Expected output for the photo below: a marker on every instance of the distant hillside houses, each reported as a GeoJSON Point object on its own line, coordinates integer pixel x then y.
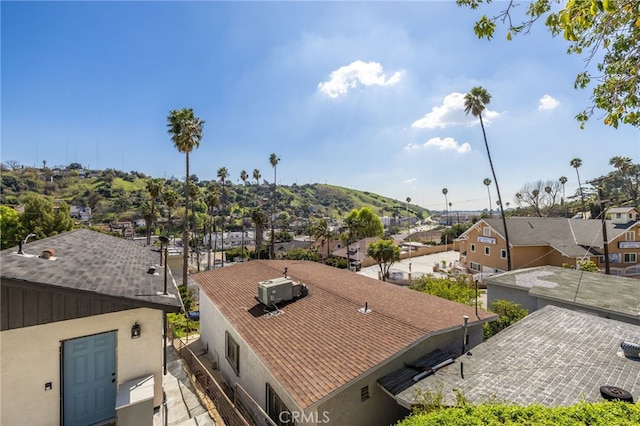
{"type": "Point", "coordinates": [80, 213]}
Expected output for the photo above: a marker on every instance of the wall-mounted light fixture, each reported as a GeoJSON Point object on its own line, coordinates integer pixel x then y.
{"type": "Point", "coordinates": [135, 331]}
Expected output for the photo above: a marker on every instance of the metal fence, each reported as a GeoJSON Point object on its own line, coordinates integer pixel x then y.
{"type": "Point", "coordinates": [242, 411]}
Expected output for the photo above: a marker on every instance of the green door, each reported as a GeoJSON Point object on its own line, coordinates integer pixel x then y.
{"type": "Point", "coordinates": [89, 377]}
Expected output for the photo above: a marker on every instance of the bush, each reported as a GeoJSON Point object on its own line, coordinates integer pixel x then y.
{"type": "Point", "coordinates": [459, 289]}
{"type": "Point", "coordinates": [509, 313]}
{"type": "Point", "coordinates": [493, 414]}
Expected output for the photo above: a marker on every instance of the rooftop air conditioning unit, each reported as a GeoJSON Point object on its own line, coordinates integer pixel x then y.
{"type": "Point", "coordinates": [275, 291]}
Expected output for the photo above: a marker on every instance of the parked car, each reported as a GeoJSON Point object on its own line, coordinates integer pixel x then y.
{"type": "Point", "coordinates": [193, 315]}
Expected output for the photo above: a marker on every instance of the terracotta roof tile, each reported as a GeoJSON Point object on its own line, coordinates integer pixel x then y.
{"type": "Point", "coordinates": [322, 342]}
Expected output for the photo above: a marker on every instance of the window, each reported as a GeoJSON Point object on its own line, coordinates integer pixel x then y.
{"type": "Point", "coordinates": [487, 250]}
{"type": "Point", "coordinates": [486, 231]}
{"type": "Point", "coordinates": [630, 258]}
{"type": "Point", "coordinates": [503, 254]}
{"type": "Point", "coordinates": [232, 352]}
{"type": "Point", "coordinates": [618, 215]}
{"type": "Point", "coordinates": [630, 215]}
{"type": "Point", "coordinates": [276, 409]}
{"type": "Point", "coordinates": [630, 236]}
{"type": "Point", "coordinates": [364, 393]}
{"type": "Point", "coordinates": [473, 248]}
{"type": "Point", "coordinates": [474, 266]}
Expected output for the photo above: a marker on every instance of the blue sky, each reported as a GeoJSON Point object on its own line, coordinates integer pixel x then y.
{"type": "Point", "coordinates": [365, 95]}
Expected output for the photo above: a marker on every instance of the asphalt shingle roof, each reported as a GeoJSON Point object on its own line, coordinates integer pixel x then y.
{"type": "Point", "coordinates": [572, 237]}
{"type": "Point", "coordinates": [321, 341]}
{"type": "Point", "coordinates": [93, 262]}
{"type": "Point", "coordinates": [553, 357]}
{"type": "Point", "coordinates": [590, 289]}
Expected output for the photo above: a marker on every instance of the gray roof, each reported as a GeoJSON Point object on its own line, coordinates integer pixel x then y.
{"type": "Point", "coordinates": [590, 289]}
{"type": "Point", "coordinates": [92, 262]}
{"type": "Point", "coordinates": [552, 357]}
{"type": "Point", "coordinates": [572, 237]}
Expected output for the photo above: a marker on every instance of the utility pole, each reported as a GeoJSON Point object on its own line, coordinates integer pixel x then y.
{"type": "Point", "coordinates": [605, 239]}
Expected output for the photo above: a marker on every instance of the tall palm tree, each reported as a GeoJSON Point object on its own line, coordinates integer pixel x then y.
{"type": "Point", "coordinates": [563, 180]}
{"type": "Point", "coordinates": [445, 191]}
{"type": "Point", "coordinates": [154, 187]}
{"type": "Point", "coordinates": [222, 175]}
{"type": "Point", "coordinates": [244, 176]}
{"type": "Point", "coordinates": [475, 102]}
{"type": "Point", "coordinates": [576, 163]}
{"type": "Point", "coordinates": [273, 160]}
{"type": "Point", "coordinates": [259, 219]}
{"type": "Point", "coordinates": [185, 129]}
{"type": "Point", "coordinates": [256, 175]}
{"type": "Point", "coordinates": [212, 200]}
{"type": "Point", "coordinates": [487, 182]}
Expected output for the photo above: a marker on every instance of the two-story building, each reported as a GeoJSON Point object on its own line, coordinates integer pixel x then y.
{"type": "Point", "coordinates": [536, 241]}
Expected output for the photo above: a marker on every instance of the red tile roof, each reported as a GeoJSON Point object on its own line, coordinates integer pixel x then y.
{"type": "Point", "coordinates": [322, 341]}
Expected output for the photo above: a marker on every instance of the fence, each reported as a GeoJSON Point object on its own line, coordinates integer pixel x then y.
{"type": "Point", "coordinates": [242, 411]}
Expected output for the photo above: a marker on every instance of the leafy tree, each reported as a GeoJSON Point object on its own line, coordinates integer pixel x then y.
{"type": "Point", "coordinates": [302, 254]}
{"type": "Point", "coordinates": [185, 129]}
{"type": "Point", "coordinates": [475, 102]}
{"type": "Point", "coordinates": [10, 227]}
{"type": "Point", "coordinates": [603, 29]}
{"type": "Point", "coordinates": [322, 230]}
{"type": "Point", "coordinates": [450, 234]}
{"type": "Point", "coordinates": [385, 253]}
{"type": "Point", "coordinates": [459, 289]}
{"type": "Point", "coordinates": [508, 313]}
{"type": "Point", "coordinates": [41, 218]}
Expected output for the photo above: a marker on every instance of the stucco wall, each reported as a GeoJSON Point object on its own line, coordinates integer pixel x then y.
{"type": "Point", "coordinates": [344, 406]}
{"type": "Point", "coordinates": [516, 295]}
{"type": "Point", "coordinates": [30, 357]}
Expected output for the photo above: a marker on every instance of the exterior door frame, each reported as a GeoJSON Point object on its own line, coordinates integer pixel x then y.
{"type": "Point", "coordinates": [62, 367]}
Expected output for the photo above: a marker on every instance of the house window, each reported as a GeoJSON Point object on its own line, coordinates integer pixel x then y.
{"type": "Point", "coordinates": [630, 258]}
{"type": "Point", "coordinates": [487, 250]}
{"type": "Point", "coordinates": [486, 231]}
{"type": "Point", "coordinates": [474, 266]}
{"type": "Point", "coordinates": [232, 352]}
{"type": "Point", "coordinates": [618, 215]}
{"type": "Point", "coordinates": [473, 248]}
{"type": "Point", "coordinates": [503, 254]}
{"type": "Point", "coordinates": [364, 393]}
{"type": "Point", "coordinates": [276, 409]}
{"type": "Point", "coordinates": [630, 236]}
{"type": "Point", "coordinates": [630, 215]}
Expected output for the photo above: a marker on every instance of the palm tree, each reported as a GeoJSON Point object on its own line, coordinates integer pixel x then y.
{"type": "Point", "coordinates": [563, 180]}
{"type": "Point", "coordinates": [259, 219]}
{"type": "Point", "coordinates": [475, 102]}
{"type": "Point", "coordinates": [323, 230]}
{"type": "Point", "coordinates": [244, 176]}
{"type": "Point", "coordinates": [186, 133]}
{"type": "Point", "coordinates": [170, 198]}
{"type": "Point", "coordinates": [575, 163]}
{"type": "Point", "coordinates": [154, 187]}
{"type": "Point", "coordinates": [256, 175]}
{"type": "Point", "coordinates": [212, 200]}
{"type": "Point", "coordinates": [445, 191]}
{"type": "Point", "coordinates": [487, 182]}
{"type": "Point", "coordinates": [222, 175]}
{"type": "Point", "coordinates": [273, 160]}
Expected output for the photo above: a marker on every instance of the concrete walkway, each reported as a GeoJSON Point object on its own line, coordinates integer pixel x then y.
{"type": "Point", "coordinates": [183, 407]}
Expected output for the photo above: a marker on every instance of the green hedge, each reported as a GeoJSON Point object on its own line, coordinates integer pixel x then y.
{"type": "Point", "coordinates": [583, 414]}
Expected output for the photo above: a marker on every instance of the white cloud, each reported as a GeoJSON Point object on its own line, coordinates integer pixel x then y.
{"type": "Point", "coordinates": [358, 72]}
{"type": "Point", "coordinates": [441, 144]}
{"type": "Point", "coordinates": [410, 180]}
{"type": "Point", "coordinates": [451, 113]}
{"type": "Point", "coordinates": [547, 103]}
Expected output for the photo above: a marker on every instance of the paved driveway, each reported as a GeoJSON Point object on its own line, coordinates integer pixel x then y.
{"type": "Point", "coordinates": [420, 265]}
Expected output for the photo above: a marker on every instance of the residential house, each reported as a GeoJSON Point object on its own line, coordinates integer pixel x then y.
{"type": "Point", "coordinates": [316, 358]}
{"type": "Point", "coordinates": [553, 357]}
{"type": "Point", "coordinates": [281, 249]}
{"type": "Point", "coordinates": [81, 213]}
{"type": "Point", "coordinates": [81, 322]}
{"type": "Point", "coordinates": [623, 215]}
{"type": "Point", "coordinates": [604, 295]}
{"type": "Point", "coordinates": [537, 241]}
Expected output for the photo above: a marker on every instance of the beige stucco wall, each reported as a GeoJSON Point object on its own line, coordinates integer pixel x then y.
{"type": "Point", "coordinates": [30, 357]}
{"type": "Point", "coordinates": [340, 408]}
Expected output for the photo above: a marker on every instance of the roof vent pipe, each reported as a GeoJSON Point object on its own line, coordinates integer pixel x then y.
{"type": "Point", "coordinates": [20, 248]}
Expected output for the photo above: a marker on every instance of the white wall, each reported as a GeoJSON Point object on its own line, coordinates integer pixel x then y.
{"type": "Point", "coordinates": [30, 357]}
